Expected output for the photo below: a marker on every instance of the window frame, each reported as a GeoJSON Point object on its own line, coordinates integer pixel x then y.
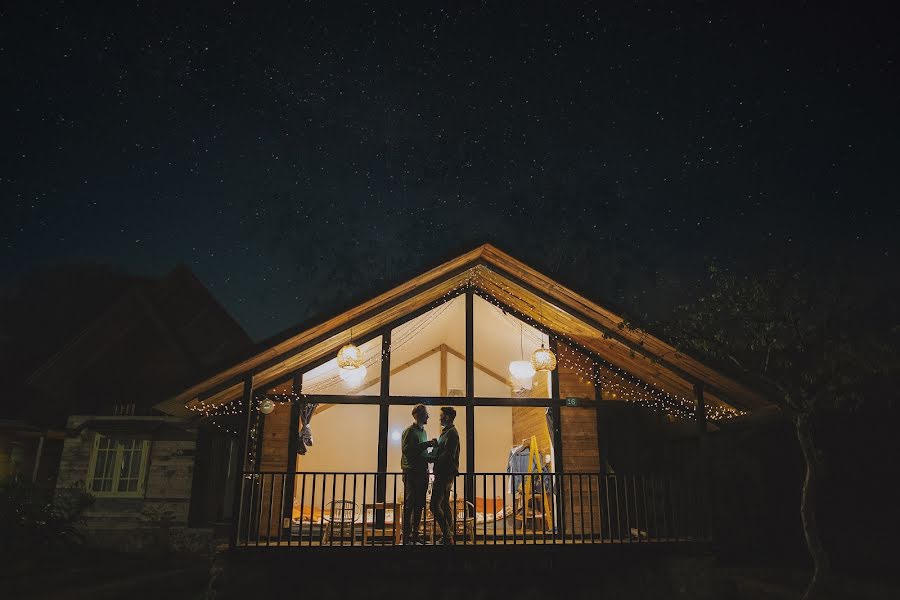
{"type": "Point", "coordinates": [117, 468]}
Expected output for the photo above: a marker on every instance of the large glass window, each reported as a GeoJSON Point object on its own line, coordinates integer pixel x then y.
{"type": "Point", "coordinates": [345, 440]}
{"type": "Point", "coordinates": [428, 353]}
{"type": "Point", "coordinates": [118, 466]}
{"type": "Point", "coordinates": [503, 347]}
{"type": "Point", "coordinates": [329, 379]}
{"type": "Point", "coordinates": [400, 417]}
{"type": "Point", "coordinates": [503, 443]}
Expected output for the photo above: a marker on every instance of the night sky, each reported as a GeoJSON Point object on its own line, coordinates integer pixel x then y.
{"type": "Point", "coordinates": [297, 157]}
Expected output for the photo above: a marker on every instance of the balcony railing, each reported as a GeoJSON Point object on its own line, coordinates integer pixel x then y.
{"type": "Point", "coordinates": [287, 509]}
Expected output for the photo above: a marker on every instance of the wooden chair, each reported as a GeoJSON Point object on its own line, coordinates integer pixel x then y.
{"type": "Point", "coordinates": [465, 522]}
{"type": "Point", "coordinates": [343, 519]}
{"type": "Point", "coordinates": [391, 521]}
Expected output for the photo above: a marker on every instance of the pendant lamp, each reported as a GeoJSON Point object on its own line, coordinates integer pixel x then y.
{"type": "Point", "coordinates": [350, 357]}
{"type": "Point", "coordinates": [522, 371]}
{"type": "Point", "coordinates": [354, 377]}
{"type": "Point", "coordinates": [543, 359]}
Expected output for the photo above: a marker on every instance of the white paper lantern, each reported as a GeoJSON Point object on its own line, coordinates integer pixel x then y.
{"type": "Point", "coordinates": [354, 377]}
{"type": "Point", "coordinates": [521, 369]}
{"type": "Point", "coordinates": [266, 406]}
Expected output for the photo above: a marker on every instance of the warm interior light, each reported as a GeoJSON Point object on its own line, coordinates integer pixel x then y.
{"type": "Point", "coordinates": [543, 359]}
{"type": "Point", "coordinates": [266, 406]}
{"type": "Point", "coordinates": [354, 377]}
{"type": "Point", "coordinates": [349, 357]}
{"type": "Point", "coordinates": [521, 369]}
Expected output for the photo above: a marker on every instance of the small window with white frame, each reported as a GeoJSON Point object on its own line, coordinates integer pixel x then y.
{"type": "Point", "coordinates": [118, 466]}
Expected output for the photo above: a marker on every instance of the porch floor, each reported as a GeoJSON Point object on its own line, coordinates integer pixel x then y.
{"type": "Point", "coordinates": [499, 540]}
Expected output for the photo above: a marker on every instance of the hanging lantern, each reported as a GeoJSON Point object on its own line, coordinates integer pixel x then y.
{"type": "Point", "coordinates": [350, 357]}
{"type": "Point", "coordinates": [266, 406]}
{"type": "Point", "coordinates": [354, 377]}
{"type": "Point", "coordinates": [521, 369]}
{"type": "Point", "coordinates": [522, 375]}
{"type": "Point", "coordinates": [543, 359]}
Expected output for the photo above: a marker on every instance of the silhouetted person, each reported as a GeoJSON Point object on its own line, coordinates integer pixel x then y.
{"type": "Point", "coordinates": [446, 468]}
{"type": "Point", "coordinates": [414, 464]}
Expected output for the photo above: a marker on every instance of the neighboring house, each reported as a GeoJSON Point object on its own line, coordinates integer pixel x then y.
{"type": "Point", "coordinates": [29, 451]}
{"type": "Point", "coordinates": [101, 388]}
{"type": "Point", "coordinates": [615, 425]}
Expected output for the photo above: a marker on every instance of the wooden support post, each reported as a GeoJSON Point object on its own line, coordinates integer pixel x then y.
{"type": "Point", "coordinates": [700, 409]}
{"type": "Point", "coordinates": [703, 517]}
{"type": "Point", "coordinates": [559, 519]}
{"type": "Point", "coordinates": [470, 397]}
{"type": "Point", "coordinates": [556, 434]}
{"type": "Point", "coordinates": [241, 463]}
{"type": "Point", "coordinates": [293, 444]}
{"type": "Point", "coordinates": [383, 408]}
{"type": "Point", "coordinates": [602, 437]}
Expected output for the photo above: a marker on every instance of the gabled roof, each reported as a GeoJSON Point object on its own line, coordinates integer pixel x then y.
{"type": "Point", "coordinates": [174, 317]}
{"type": "Point", "coordinates": [516, 285]}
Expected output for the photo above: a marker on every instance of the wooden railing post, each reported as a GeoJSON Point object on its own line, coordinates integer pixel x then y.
{"type": "Point", "coordinates": [241, 463]}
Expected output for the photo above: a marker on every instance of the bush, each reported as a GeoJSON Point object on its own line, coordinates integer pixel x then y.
{"type": "Point", "coordinates": [32, 518]}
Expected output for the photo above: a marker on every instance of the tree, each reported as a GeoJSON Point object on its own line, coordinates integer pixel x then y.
{"type": "Point", "coordinates": [811, 340]}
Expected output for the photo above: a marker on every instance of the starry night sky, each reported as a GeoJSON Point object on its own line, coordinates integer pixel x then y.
{"type": "Point", "coordinates": [297, 156]}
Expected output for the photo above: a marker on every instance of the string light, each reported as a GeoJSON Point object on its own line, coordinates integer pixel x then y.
{"type": "Point", "coordinates": [615, 383]}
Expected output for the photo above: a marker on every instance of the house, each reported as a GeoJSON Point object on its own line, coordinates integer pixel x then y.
{"type": "Point", "coordinates": [297, 446]}
{"type": "Point", "coordinates": [99, 391]}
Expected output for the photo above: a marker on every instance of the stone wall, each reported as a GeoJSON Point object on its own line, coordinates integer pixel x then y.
{"type": "Point", "coordinates": [159, 517]}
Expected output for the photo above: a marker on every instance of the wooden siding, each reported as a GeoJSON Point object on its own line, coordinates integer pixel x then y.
{"type": "Point", "coordinates": [274, 457]}
{"type": "Point", "coordinates": [114, 520]}
{"type": "Point", "coordinates": [579, 438]}
{"type": "Point", "coordinates": [528, 421]}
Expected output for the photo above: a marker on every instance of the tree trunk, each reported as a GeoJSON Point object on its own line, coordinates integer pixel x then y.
{"type": "Point", "coordinates": [821, 568]}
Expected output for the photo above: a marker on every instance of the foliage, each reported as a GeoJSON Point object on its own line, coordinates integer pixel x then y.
{"type": "Point", "coordinates": [32, 518]}
{"type": "Point", "coordinates": [808, 339]}
{"type": "Point", "coordinates": [811, 341]}
{"type": "Point", "coordinates": [159, 521]}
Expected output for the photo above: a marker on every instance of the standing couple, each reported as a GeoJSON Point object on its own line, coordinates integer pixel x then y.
{"type": "Point", "coordinates": [414, 462]}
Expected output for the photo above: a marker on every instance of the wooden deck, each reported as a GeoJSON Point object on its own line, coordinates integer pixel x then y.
{"type": "Point", "coordinates": [478, 542]}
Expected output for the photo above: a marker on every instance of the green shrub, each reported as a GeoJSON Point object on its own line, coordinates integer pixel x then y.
{"type": "Point", "coordinates": [33, 518]}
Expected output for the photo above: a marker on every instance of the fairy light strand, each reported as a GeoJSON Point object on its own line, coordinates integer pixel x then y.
{"type": "Point", "coordinates": [615, 383]}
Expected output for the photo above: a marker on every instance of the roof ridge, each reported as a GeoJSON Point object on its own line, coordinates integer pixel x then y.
{"type": "Point", "coordinates": [517, 273]}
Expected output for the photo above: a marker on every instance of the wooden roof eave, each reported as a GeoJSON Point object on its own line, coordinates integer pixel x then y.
{"type": "Point", "coordinates": [607, 323]}
{"type": "Point", "coordinates": [221, 387]}
{"type": "Point", "coordinates": [681, 371]}
{"type": "Point", "coordinates": [610, 352]}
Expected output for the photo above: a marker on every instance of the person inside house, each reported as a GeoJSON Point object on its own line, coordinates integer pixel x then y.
{"type": "Point", "coordinates": [414, 464]}
{"type": "Point", "coordinates": [446, 468]}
